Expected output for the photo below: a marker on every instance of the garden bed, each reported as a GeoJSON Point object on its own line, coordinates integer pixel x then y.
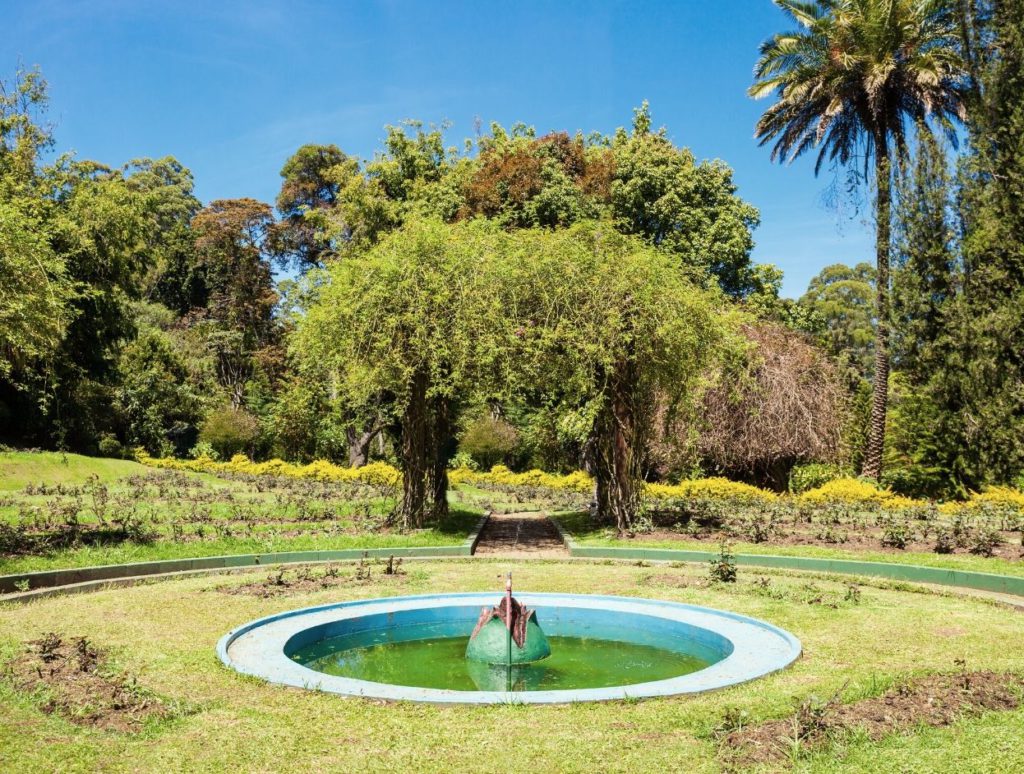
{"type": "Point", "coordinates": [94, 513]}
{"type": "Point", "coordinates": [1006, 559]}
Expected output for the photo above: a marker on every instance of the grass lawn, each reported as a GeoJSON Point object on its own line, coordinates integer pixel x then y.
{"type": "Point", "coordinates": [452, 533]}
{"type": "Point", "coordinates": [70, 511]}
{"type": "Point", "coordinates": [165, 634]}
{"type": "Point", "coordinates": [585, 533]}
{"type": "Point", "coordinates": [19, 468]}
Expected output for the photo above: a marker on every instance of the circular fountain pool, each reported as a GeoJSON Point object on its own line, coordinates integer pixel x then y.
{"type": "Point", "coordinates": [602, 648]}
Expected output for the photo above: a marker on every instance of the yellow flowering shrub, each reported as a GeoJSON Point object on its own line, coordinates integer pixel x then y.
{"type": "Point", "coordinates": [711, 489]}
{"type": "Point", "coordinates": [855, 490]}
{"type": "Point", "coordinates": [1000, 495]}
{"type": "Point", "coordinates": [996, 496]}
{"type": "Point", "coordinates": [500, 475]}
{"type": "Point", "coordinates": [847, 490]}
{"type": "Point", "coordinates": [380, 474]}
{"type": "Point", "coordinates": [376, 473]}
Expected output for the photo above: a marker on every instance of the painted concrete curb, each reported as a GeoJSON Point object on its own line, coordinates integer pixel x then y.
{"type": "Point", "coordinates": [941, 576]}
{"type": "Point", "coordinates": [86, 578]}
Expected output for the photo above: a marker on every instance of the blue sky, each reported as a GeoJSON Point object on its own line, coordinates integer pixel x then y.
{"type": "Point", "coordinates": [232, 89]}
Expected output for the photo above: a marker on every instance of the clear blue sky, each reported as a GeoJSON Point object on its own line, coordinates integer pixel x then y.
{"type": "Point", "coordinates": [232, 89]}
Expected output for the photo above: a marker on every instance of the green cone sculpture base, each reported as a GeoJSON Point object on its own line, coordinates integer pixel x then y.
{"type": "Point", "coordinates": [491, 644]}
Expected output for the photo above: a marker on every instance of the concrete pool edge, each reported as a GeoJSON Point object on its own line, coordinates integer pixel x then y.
{"type": "Point", "coordinates": [758, 648]}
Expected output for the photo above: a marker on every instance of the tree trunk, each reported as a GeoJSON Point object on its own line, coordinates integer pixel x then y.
{"type": "Point", "coordinates": [618, 454]}
{"type": "Point", "coordinates": [359, 442]}
{"type": "Point", "coordinates": [872, 467]}
{"type": "Point", "coordinates": [441, 441]}
{"type": "Point", "coordinates": [415, 454]}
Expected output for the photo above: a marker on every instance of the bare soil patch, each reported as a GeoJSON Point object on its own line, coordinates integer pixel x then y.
{"type": "Point", "coordinates": [936, 700]}
{"type": "Point", "coordinates": [301, 580]}
{"type": "Point", "coordinates": [76, 680]}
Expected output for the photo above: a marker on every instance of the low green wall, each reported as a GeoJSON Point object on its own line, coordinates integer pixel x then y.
{"type": "Point", "coordinates": [1001, 584]}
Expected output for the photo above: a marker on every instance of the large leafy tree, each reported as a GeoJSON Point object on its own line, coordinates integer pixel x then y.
{"type": "Point", "coordinates": [155, 398]}
{"type": "Point", "coordinates": [660, 193]}
{"type": "Point", "coordinates": [610, 329]}
{"type": "Point", "coordinates": [35, 289]}
{"type": "Point", "coordinates": [848, 82]}
{"type": "Point", "coordinates": [172, 275]}
{"type": "Point", "coordinates": [309, 190]}
{"type": "Point", "coordinates": [74, 251]}
{"type": "Point", "coordinates": [840, 302]}
{"type": "Point", "coordinates": [586, 321]}
{"type": "Point", "coordinates": [413, 325]}
{"type": "Point", "coordinates": [522, 181]}
{"type": "Point", "coordinates": [984, 382]}
{"type": "Point", "coordinates": [412, 175]}
{"type": "Point", "coordinates": [235, 251]}
{"type": "Point", "coordinates": [99, 226]}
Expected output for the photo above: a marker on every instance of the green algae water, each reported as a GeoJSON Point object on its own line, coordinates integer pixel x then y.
{"type": "Point", "coordinates": [440, 662]}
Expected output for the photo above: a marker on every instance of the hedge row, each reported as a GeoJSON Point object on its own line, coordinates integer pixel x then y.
{"type": "Point", "coordinates": [850, 491]}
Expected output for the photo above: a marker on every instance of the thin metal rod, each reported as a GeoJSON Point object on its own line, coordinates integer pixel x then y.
{"type": "Point", "coordinates": [508, 627]}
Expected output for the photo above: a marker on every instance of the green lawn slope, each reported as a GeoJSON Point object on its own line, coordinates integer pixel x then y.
{"type": "Point", "coordinates": [18, 468]}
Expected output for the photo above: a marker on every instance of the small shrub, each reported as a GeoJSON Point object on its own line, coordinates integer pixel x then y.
{"type": "Point", "coordinates": [489, 440]}
{"type": "Point", "coordinates": [109, 446]}
{"type": "Point", "coordinates": [230, 431]}
{"type": "Point", "coordinates": [985, 541]}
{"type": "Point", "coordinates": [463, 461]}
{"type": "Point", "coordinates": [945, 543]}
{"type": "Point", "coordinates": [895, 534]}
{"type": "Point", "coordinates": [204, 450]}
{"type": "Point", "coordinates": [813, 475]}
{"type": "Point", "coordinates": [723, 566]}
{"type": "Point", "coordinates": [733, 719]}
{"type": "Point", "coordinates": [831, 535]}
{"type": "Point", "coordinates": [759, 529]}
{"type": "Point", "coordinates": [706, 513]}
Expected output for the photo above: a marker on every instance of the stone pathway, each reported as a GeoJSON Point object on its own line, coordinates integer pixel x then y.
{"type": "Point", "coordinates": [525, 534]}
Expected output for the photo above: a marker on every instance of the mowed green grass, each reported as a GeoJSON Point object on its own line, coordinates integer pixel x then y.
{"type": "Point", "coordinates": [166, 633]}
{"type": "Point", "coordinates": [19, 468]}
{"type": "Point", "coordinates": [586, 534]}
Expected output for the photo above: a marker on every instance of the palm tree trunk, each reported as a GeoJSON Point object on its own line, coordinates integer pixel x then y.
{"type": "Point", "coordinates": [872, 466]}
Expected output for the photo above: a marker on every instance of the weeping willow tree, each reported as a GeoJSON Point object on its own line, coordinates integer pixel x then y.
{"type": "Point", "coordinates": [410, 328]}
{"type": "Point", "coordinates": [609, 326]}
{"type": "Point", "coordinates": [585, 321]}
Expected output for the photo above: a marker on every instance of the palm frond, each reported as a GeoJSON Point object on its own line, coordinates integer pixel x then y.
{"type": "Point", "coordinates": [854, 74]}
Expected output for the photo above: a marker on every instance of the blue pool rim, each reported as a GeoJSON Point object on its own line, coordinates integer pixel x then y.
{"type": "Point", "coordinates": [258, 648]}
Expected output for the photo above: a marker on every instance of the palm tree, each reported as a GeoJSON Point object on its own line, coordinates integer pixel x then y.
{"type": "Point", "coordinates": [849, 83]}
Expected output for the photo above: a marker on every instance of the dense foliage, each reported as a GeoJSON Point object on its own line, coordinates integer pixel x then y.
{"type": "Point", "coordinates": [557, 300]}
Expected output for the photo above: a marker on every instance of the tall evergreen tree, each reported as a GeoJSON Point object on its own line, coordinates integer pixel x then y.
{"type": "Point", "coordinates": [990, 335]}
